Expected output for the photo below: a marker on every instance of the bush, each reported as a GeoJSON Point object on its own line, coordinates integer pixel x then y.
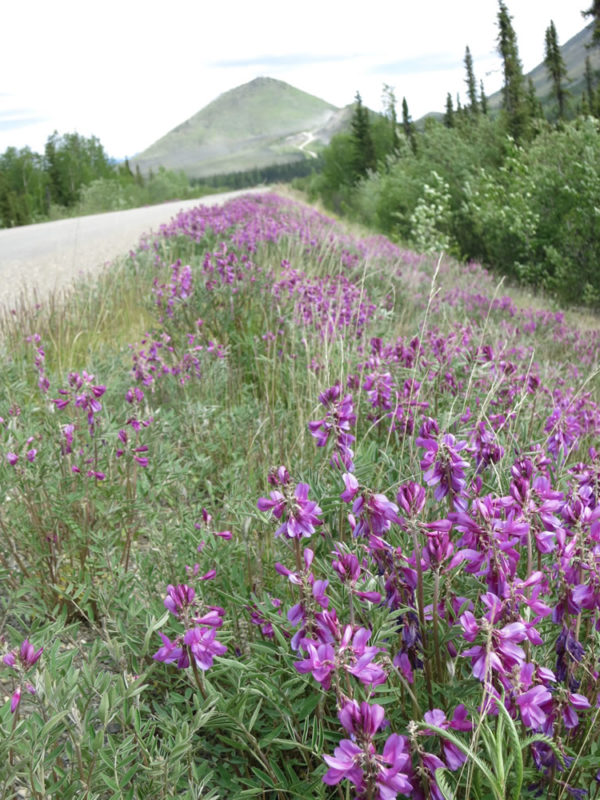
{"type": "Point", "coordinates": [537, 217]}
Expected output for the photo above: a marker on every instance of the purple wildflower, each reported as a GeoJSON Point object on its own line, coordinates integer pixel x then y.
{"type": "Point", "coordinates": [302, 513]}
{"type": "Point", "coordinates": [21, 661]}
{"type": "Point", "coordinates": [381, 776]}
{"type": "Point", "coordinates": [442, 465]}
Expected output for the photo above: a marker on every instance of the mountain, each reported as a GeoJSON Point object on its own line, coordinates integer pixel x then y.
{"type": "Point", "coordinates": [574, 53]}
{"type": "Point", "coordinates": [258, 124]}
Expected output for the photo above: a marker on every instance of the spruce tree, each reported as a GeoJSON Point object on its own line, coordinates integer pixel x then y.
{"type": "Point", "coordinates": [534, 106]}
{"type": "Point", "coordinates": [513, 91]}
{"type": "Point", "coordinates": [589, 85]}
{"type": "Point", "coordinates": [594, 12]}
{"type": "Point", "coordinates": [362, 141]}
{"type": "Point", "coordinates": [583, 108]}
{"type": "Point", "coordinates": [389, 109]}
{"type": "Point", "coordinates": [449, 114]}
{"type": "Point", "coordinates": [556, 68]}
{"type": "Point", "coordinates": [408, 126]}
{"type": "Point", "coordinates": [470, 81]}
{"type": "Point", "coordinates": [483, 101]}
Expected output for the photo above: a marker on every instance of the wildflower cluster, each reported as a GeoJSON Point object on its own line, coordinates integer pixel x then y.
{"type": "Point", "coordinates": [20, 663]}
{"type": "Point", "coordinates": [412, 608]}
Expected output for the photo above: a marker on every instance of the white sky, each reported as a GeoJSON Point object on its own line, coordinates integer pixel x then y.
{"type": "Point", "coordinates": [128, 71]}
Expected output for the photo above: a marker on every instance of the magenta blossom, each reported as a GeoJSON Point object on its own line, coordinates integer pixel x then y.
{"type": "Point", "coordinates": [198, 640]}
{"type": "Point", "coordinates": [203, 646]}
{"type": "Point", "coordinates": [442, 465]}
{"type": "Point", "coordinates": [302, 514]}
{"type": "Point", "coordinates": [380, 776]}
{"type": "Point", "coordinates": [21, 662]}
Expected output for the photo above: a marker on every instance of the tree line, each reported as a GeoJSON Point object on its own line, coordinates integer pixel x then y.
{"type": "Point", "coordinates": [30, 183]}
{"type": "Point", "coordinates": [74, 175]}
{"type": "Point", "coordinates": [518, 190]}
{"type": "Point", "coordinates": [275, 173]}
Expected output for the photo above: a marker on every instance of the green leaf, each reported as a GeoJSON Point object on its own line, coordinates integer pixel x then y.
{"type": "Point", "coordinates": [111, 783]}
{"type": "Point", "coordinates": [267, 782]}
{"type": "Point", "coordinates": [516, 749]}
{"type": "Point", "coordinates": [481, 765]}
{"type": "Point", "coordinates": [52, 723]}
{"type": "Point", "coordinates": [444, 786]}
{"type": "Point", "coordinates": [152, 628]}
{"type": "Point", "coordinates": [308, 706]}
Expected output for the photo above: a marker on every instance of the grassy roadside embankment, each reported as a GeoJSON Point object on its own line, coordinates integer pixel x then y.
{"type": "Point", "coordinates": [421, 443]}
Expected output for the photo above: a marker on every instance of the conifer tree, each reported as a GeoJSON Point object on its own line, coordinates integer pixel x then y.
{"type": "Point", "coordinates": [534, 106]}
{"type": "Point", "coordinates": [408, 126]}
{"type": "Point", "coordinates": [590, 91]}
{"type": "Point", "coordinates": [483, 101]}
{"type": "Point", "coordinates": [583, 109]}
{"type": "Point", "coordinates": [363, 147]}
{"type": "Point", "coordinates": [470, 81]}
{"type": "Point", "coordinates": [460, 111]}
{"type": "Point", "coordinates": [513, 91]}
{"type": "Point", "coordinates": [389, 109]}
{"type": "Point", "coordinates": [594, 12]}
{"type": "Point", "coordinates": [556, 68]}
{"type": "Point", "coordinates": [449, 114]}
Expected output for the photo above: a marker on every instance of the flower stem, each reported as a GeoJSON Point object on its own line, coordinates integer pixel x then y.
{"type": "Point", "coordinates": [421, 613]}
{"type": "Point", "coordinates": [197, 676]}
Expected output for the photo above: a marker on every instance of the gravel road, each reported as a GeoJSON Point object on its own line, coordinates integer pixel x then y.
{"type": "Point", "coordinates": [51, 255]}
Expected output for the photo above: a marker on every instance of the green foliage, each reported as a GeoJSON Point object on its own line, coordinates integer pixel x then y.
{"type": "Point", "coordinates": [389, 199]}
{"type": "Point", "coordinates": [471, 82]}
{"type": "Point", "coordinates": [513, 92]}
{"type": "Point", "coordinates": [537, 218]}
{"type": "Point", "coordinates": [556, 68]}
{"type": "Point", "coordinates": [363, 149]}
{"type": "Point", "coordinates": [482, 98]}
{"type": "Point", "coordinates": [75, 176]}
{"type": "Point", "coordinates": [502, 222]}
{"type": "Point", "coordinates": [334, 182]}
{"type": "Point", "coordinates": [408, 126]}
{"type": "Point", "coordinates": [389, 112]}
{"type": "Point", "coordinates": [529, 209]}
{"type": "Point", "coordinates": [300, 170]}
{"type": "Point", "coordinates": [430, 221]}
{"type": "Point", "coordinates": [24, 187]}
{"type": "Point", "coordinates": [449, 113]}
{"type": "Point", "coordinates": [71, 162]}
{"type": "Point", "coordinates": [594, 12]}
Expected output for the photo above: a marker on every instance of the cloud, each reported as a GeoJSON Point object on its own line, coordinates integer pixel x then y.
{"type": "Point", "coordinates": [432, 62]}
{"type": "Point", "coordinates": [286, 60]}
{"type": "Point", "coordinates": [18, 118]}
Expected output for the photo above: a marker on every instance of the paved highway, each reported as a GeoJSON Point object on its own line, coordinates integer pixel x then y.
{"type": "Point", "coordinates": [51, 255]}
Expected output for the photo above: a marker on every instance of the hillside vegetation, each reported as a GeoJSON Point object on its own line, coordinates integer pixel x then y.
{"type": "Point", "coordinates": [294, 513]}
{"type": "Point", "coordinates": [518, 190]}
{"type": "Point", "coordinates": [252, 126]}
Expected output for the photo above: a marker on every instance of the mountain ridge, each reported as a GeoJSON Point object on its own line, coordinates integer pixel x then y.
{"type": "Point", "coordinates": [253, 125]}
